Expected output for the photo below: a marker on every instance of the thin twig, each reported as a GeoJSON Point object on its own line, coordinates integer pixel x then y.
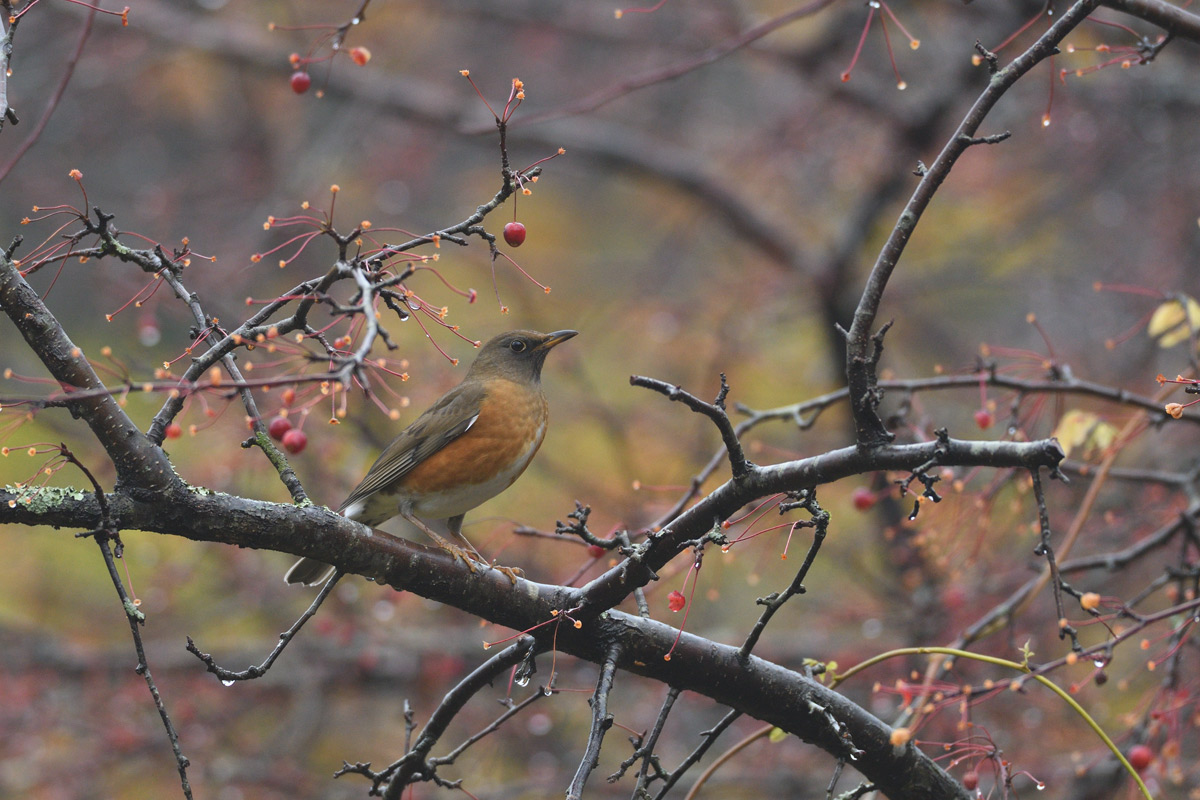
{"type": "Point", "coordinates": [710, 737]}
{"type": "Point", "coordinates": [715, 411]}
{"type": "Point", "coordinates": [413, 765]}
{"type": "Point", "coordinates": [103, 534]}
{"type": "Point", "coordinates": [228, 677]}
{"type": "Point", "coordinates": [646, 751]}
{"type": "Point", "coordinates": [775, 601]}
{"type": "Point", "coordinates": [652, 77]}
{"type": "Point", "coordinates": [601, 722]}
{"type": "Point", "coordinates": [860, 362]}
{"type": "Point", "coordinates": [55, 98]}
{"type": "Point", "coordinates": [494, 725]}
{"type": "Point", "coordinates": [1046, 548]}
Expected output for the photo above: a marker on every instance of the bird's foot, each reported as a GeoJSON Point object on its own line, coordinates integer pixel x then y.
{"type": "Point", "coordinates": [460, 553]}
{"type": "Point", "coordinates": [512, 572]}
{"type": "Point", "coordinates": [467, 558]}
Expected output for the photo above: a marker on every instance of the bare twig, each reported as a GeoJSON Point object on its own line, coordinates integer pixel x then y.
{"type": "Point", "coordinates": [715, 411]}
{"type": "Point", "coordinates": [604, 96]}
{"type": "Point", "coordinates": [55, 98]}
{"type": "Point", "coordinates": [819, 522]}
{"type": "Point", "coordinates": [138, 461]}
{"type": "Point", "coordinates": [646, 750]}
{"type": "Point", "coordinates": [601, 722]}
{"type": "Point", "coordinates": [860, 371]}
{"type": "Point", "coordinates": [228, 677]}
{"type": "Point", "coordinates": [414, 765]}
{"type": "Point", "coordinates": [710, 736]}
{"type": "Point", "coordinates": [494, 725]}
{"type": "Point", "coordinates": [1046, 548]}
{"type": "Point", "coordinates": [105, 533]}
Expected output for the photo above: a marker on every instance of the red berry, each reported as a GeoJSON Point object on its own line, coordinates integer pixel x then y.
{"type": "Point", "coordinates": [862, 498]}
{"type": "Point", "coordinates": [514, 234]}
{"type": "Point", "coordinates": [278, 427]}
{"type": "Point", "coordinates": [294, 441]}
{"type": "Point", "coordinates": [971, 780]}
{"type": "Point", "coordinates": [174, 430]}
{"type": "Point", "coordinates": [954, 597]}
{"type": "Point", "coordinates": [984, 419]}
{"type": "Point", "coordinates": [1140, 756]}
{"type": "Point", "coordinates": [289, 396]}
{"type": "Point", "coordinates": [360, 55]}
{"type": "Point", "coordinates": [301, 81]}
{"type": "Point", "coordinates": [676, 601]}
{"type": "Point", "coordinates": [595, 550]}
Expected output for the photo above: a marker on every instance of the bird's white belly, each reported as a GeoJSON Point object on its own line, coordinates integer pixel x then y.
{"type": "Point", "coordinates": [452, 502]}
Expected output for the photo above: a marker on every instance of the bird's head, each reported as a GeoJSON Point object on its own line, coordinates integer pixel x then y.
{"type": "Point", "coordinates": [517, 355]}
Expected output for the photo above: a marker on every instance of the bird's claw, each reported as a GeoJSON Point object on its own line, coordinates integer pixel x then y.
{"type": "Point", "coordinates": [512, 572]}
{"type": "Point", "coordinates": [458, 553]}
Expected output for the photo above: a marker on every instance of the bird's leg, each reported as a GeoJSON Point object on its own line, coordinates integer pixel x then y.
{"type": "Point", "coordinates": [442, 542]}
{"type": "Point", "coordinates": [455, 526]}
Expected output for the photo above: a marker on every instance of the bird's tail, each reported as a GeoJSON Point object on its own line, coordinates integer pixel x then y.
{"type": "Point", "coordinates": [308, 571]}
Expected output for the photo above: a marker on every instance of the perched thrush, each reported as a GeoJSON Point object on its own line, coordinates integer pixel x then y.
{"type": "Point", "coordinates": [464, 450]}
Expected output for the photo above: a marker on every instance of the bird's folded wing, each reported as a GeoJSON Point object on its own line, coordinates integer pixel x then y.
{"type": "Point", "coordinates": [442, 423]}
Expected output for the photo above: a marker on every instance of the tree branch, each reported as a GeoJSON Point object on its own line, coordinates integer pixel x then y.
{"type": "Point", "coordinates": [754, 686]}
{"type": "Point", "coordinates": [1171, 18]}
{"type": "Point", "coordinates": [715, 411]}
{"type": "Point", "coordinates": [413, 765]}
{"type": "Point", "coordinates": [601, 722]}
{"type": "Point", "coordinates": [55, 98]}
{"type": "Point", "coordinates": [139, 462]}
{"type": "Point", "coordinates": [860, 372]}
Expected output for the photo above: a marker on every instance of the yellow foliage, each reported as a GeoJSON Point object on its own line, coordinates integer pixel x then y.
{"type": "Point", "coordinates": [1083, 429]}
{"type": "Point", "coordinates": [1170, 325]}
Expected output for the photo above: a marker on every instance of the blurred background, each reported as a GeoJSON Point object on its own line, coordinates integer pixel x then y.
{"type": "Point", "coordinates": [719, 221]}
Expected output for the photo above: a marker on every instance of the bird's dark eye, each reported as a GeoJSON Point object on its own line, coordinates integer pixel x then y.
{"type": "Point", "coordinates": [517, 345]}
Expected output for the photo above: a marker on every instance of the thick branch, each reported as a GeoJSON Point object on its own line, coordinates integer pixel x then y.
{"type": "Point", "coordinates": [860, 373]}
{"type": "Point", "coordinates": [1174, 20]}
{"type": "Point", "coordinates": [613, 586]}
{"type": "Point", "coordinates": [138, 461]}
{"type": "Point", "coordinates": [755, 686]}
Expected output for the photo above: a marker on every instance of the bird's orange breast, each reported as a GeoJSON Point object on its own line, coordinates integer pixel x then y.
{"type": "Point", "coordinates": [491, 454]}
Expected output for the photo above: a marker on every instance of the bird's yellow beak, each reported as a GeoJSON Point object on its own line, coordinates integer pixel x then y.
{"type": "Point", "coordinates": [556, 338]}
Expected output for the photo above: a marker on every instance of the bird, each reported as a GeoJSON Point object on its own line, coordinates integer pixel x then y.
{"type": "Point", "coordinates": [465, 449]}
